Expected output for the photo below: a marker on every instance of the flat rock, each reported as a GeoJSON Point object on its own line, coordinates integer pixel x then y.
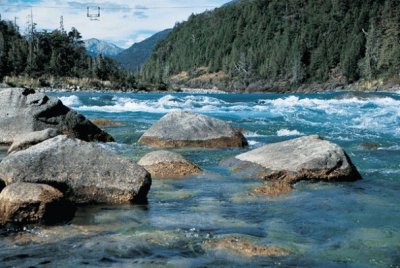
{"type": "Point", "coordinates": [285, 163]}
{"type": "Point", "coordinates": [26, 140]}
{"type": "Point", "coordinates": [166, 164]}
{"type": "Point", "coordinates": [23, 111]}
{"type": "Point", "coordinates": [185, 129]}
{"type": "Point", "coordinates": [29, 203]}
{"type": "Point", "coordinates": [85, 172]}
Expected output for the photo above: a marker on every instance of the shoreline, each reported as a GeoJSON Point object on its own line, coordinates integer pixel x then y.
{"type": "Point", "coordinates": [210, 91]}
{"type": "Point", "coordinates": [303, 89]}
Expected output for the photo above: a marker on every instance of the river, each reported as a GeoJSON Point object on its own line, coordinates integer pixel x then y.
{"type": "Point", "coordinates": [321, 224]}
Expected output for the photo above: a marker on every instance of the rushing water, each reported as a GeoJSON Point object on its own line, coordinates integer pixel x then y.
{"type": "Point", "coordinates": [321, 224]}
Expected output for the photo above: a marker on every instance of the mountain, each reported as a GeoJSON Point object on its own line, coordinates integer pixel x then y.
{"type": "Point", "coordinates": [262, 44]}
{"type": "Point", "coordinates": [135, 56]}
{"type": "Point", "coordinates": [96, 47]}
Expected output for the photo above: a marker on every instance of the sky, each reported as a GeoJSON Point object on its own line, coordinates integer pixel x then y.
{"type": "Point", "coordinates": [121, 22]}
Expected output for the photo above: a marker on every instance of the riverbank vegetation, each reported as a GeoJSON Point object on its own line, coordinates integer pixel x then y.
{"type": "Point", "coordinates": [55, 59]}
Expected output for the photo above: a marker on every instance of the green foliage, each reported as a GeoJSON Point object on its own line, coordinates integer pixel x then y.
{"type": "Point", "coordinates": [55, 54]}
{"type": "Point", "coordinates": [295, 41]}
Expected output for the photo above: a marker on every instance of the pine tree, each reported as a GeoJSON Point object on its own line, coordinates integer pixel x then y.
{"type": "Point", "coordinates": [389, 58]}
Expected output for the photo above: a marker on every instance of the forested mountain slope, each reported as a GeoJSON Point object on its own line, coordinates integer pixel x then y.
{"type": "Point", "coordinates": [269, 43]}
{"type": "Point", "coordinates": [135, 56]}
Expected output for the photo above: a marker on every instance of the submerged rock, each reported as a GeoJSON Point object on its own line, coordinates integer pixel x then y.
{"type": "Point", "coordinates": [26, 140]}
{"type": "Point", "coordinates": [103, 122]}
{"type": "Point", "coordinates": [29, 203]}
{"type": "Point", "coordinates": [165, 164]}
{"type": "Point", "coordinates": [185, 129]}
{"type": "Point", "coordinates": [84, 172]}
{"type": "Point", "coordinates": [245, 248]}
{"type": "Point", "coordinates": [23, 111]}
{"type": "Point", "coordinates": [285, 163]}
{"type": "Point", "coordinates": [370, 145]}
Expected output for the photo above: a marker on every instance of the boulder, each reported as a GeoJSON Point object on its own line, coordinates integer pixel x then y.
{"type": "Point", "coordinates": [29, 203]}
{"type": "Point", "coordinates": [23, 111]}
{"type": "Point", "coordinates": [26, 140]}
{"type": "Point", "coordinates": [165, 164]}
{"type": "Point", "coordinates": [85, 172]}
{"type": "Point", "coordinates": [285, 163]}
{"type": "Point", "coordinates": [184, 129]}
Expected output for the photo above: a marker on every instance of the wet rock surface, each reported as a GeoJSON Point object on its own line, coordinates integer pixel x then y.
{"type": "Point", "coordinates": [185, 129]}
{"type": "Point", "coordinates": [30, 203]}
{"type": "Point", "coordinates": [84, 172]}
{"type": "Point", "coordinates": [166, 164]}
{"type": "Point", "coordinates": [23, 111]}
{"type": "Point", "coordinates": [285, 163]}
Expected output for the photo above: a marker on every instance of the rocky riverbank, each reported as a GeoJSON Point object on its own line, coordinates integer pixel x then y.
{"type": "Point", "coordinates": [206, 86]}
{"type": "Point", "coordinates": [219, 82]}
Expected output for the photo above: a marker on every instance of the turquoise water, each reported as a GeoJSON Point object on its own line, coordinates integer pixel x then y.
{"type": "Point", "coordinates": [321, 224]}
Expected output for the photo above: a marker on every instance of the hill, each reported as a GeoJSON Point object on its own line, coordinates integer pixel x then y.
{"type": "Point", "coordinates": [95, 47]}
{"type": "Point", "coordinates": [135, 56]}
{"type": "Point", "coordinates": [264, 45]}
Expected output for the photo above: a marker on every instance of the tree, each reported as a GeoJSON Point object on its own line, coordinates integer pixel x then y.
{"type": "Point", "coordinates": [389, 58]}
{"type": "Point", "coordinates": [372, 48]}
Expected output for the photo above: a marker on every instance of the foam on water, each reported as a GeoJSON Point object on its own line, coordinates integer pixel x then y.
{"type": "Point", "coordinates": [71, 101]}
{"type": "Point", "coordinates": [376, 114]}
{"type": "Point", "coordinates": [251, 134]}
{"type": "Point", "coordinates": [161, 105]}
{"type": "Point", "coordinates": [286, 132]}
{"type": "Point", "coordinates": [252, 142]}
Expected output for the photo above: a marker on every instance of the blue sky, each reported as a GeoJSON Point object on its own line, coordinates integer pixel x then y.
{"type": "Point", "coordinates": [121, 22]}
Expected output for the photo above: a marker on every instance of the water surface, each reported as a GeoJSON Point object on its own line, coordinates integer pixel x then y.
{"type": "Point", "coordinates": [322, 225]}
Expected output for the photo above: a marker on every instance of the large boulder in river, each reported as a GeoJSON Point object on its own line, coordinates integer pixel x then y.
{"type": "Point", "coordinates": [85, 172]}
{"type": "Point", "coordinates": [26, 140]}
{"type": "Point", "coordinates": [166, 164]}
{"type": "Point", "coordinates": [184, 129]}
{"type": "Point", "coordinates": [285, 163]}
{"type": "Point", "coordinates": [23, 111]}
{"type": "Point", "coordinates": [28, 203]}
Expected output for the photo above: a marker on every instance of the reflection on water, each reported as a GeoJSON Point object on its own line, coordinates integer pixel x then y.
{"type": "Point", "coordinates": [320, 224]}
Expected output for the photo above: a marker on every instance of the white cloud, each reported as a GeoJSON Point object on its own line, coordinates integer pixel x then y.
{"type": "Point", "coordinates": [121, 22]}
